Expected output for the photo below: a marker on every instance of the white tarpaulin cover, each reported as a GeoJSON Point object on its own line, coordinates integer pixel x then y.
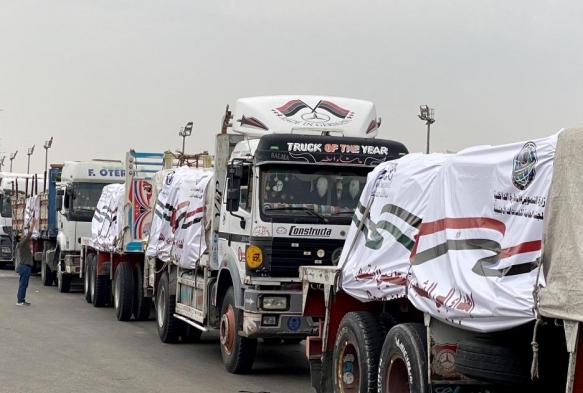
{"type": "Point", "coordinates": [459, 235]}
{"type": "Point", "coordinates": [563, 242]}
{"type": "Point", "coordinates": [177, 233]}
{"type": "Point", "coordinates": [106, 226]}
{"type": "Point", "coordinates": [32, 210]}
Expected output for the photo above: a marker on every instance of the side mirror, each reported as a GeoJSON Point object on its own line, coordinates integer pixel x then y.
{"type": "Point", "coordinates": [59, 202]}
{"type": "Point", "coordinates": [234, 175]}
{"type": "Point", "coordinates": [233, 195]}
{"type": "Point", "coordinates": [60, 191]}
{"type": "Point", "coordinates": [66, 202]}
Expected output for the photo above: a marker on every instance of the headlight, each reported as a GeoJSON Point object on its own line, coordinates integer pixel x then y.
{"type": "Point", "coordinates": [253, 256]}
{"type": "Point", "coordinates": [274, 303]}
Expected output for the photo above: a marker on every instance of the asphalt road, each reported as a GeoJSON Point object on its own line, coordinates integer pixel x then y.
{"type": "Point", "coordinates": [63, 344]}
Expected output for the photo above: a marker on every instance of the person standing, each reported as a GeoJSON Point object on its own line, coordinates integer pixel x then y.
{"type": "Point", "coordinates": [24, 262]}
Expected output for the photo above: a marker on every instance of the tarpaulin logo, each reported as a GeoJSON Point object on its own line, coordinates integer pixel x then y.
{"type": "Point", "coordinates": [524, 171]}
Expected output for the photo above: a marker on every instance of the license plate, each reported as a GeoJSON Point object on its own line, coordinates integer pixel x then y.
{"type": "Point", "coordinates": [5, 249]}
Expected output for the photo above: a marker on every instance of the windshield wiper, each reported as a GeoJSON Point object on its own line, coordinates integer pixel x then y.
{"type": "Point", "coordinates": [309, 211]}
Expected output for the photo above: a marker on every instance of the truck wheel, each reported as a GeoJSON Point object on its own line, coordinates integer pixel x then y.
{"type": "Point", "coordinates": [356, 353]}
{"type": "Point", "coordinates": [403, 362]}
{"type": "Point", "coordinates": [190, 334]}
{"type": "Point", "coordinates": [64, 280]}
{"type": "Point", "coordinates": [47, 277]}
{"type": "Point", "coordinates": [168, 326]}
{"type": "Point", "coordinates": [238, 352]}
{"type": "Point", "coordinates": [493, 361]}
{"type": "Point", "coordinates": [142, 304]}
{"type": "Point", "coordinates": [87, 278]}
{"type": "Point", "coordinates": [99, 287]}
{"type": "Point", "coordinates": [123, 291]}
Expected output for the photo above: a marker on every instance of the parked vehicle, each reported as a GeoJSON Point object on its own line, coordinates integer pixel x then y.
{"type": "Point", "coordinates": [64, 212]}
{"type": "Point", "coordinates": [226, 245]}
{"type": "Point", "coordinates": [112, 258]}
{"type": "Point", "coordinates": [460, 273]}
{"type": "Point", "coordinates": [7, 184]}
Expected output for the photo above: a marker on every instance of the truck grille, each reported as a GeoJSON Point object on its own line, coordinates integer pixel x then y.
{"type": "Point", "coordinates": [288, 254]}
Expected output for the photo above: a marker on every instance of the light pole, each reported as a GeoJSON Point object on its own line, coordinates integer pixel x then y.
{"type": "Point", "coordinates": [427, 116]}
{"type": "Point", "coordinates": [30, 151]}
{"type": "Point", "coordinates": [186, 131]}
{"type": "Point", "coordinates": [12, 157]}
{"type": "Point", "coordinates": [47, 146]}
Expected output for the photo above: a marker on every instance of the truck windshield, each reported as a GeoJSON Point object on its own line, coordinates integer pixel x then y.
{"type": "Point", "coordinates": [86, 197]}
{"type": "Point", "coordinates": [289, 192]}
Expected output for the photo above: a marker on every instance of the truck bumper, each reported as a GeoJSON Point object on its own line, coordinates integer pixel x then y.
{"type": "Point", "coordinates": [261, 322]}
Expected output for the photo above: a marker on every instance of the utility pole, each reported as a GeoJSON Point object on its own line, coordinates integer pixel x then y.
{"type": "Point", "coordinates": [427, 115]}
{"type": "Point", "coordinates": [12, 157]}
{"type": "Point", "coordinates": [30, 151]}
{"type": "Point", "coordinates": [185, 131]}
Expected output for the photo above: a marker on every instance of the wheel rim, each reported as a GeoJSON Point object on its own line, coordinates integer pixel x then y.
{"type": "Point", "coordinates": [228, 330]}
{"type": "Point", "coordinates": [347, 369]}
{"type": "Point", "coordinates": [116, 293]}
{"type": "Point", "coordinates": [59, 276]}
{"type": "Point", "coordinates": [87, 282]}
{"type": "Point", "coordinates": [92, 282]}
{"type": "Point", "coordinates": [397, 377]}
{"type": "Point", "coordinates": [161, 306]}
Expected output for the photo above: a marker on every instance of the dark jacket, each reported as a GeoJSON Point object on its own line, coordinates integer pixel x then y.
{"type": "Point", "coordinates": [23, 253]}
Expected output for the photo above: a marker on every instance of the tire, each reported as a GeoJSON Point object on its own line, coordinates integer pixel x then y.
{"type": "Point", "coordinates": [123, 290]}
{"type": "Point", "coordinates": [168, 326]}
{"type": "Point", "coordinates": [100, 287]}
{"type": "Point", "coordinates": [493, 361]}
{"type": "Point", "coordinates": [292, 341]}
{"type": "Point", "coordinates": [272, 341]}
{"type": "Point", "coordinates": [64, 280]}
{"type": "Point", "coordinates": [238, 352]}
{"type": "Point", "coordinates": [388, 321]}
{"type": "Point", "coordinates": [87, 277]}
{"type": "Point", "coordinates": [355, 360]}
{"type": "Point", "coordinates": [403, 362]}
{"type": "Point", "coordinates": [46, 273]}
{"type": "Point", "coordinates": [190, 334]}
{"type": "Point", "coordinates": [142, 304]}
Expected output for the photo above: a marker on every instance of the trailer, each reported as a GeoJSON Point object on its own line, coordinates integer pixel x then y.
{"type": "Point", "coordinates": [460, 273]}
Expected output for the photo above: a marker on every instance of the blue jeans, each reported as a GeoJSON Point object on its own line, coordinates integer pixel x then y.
{"type": "Point", "coordinates": [24, 271]}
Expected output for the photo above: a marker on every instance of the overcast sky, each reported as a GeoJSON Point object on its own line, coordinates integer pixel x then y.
{"type": "Point", "coordinates": [105, 76]}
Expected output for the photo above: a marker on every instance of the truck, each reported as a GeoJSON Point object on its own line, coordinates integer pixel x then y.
{"type": "Point", "coordinates": [112, 257]}
{"type": "Point", "coordinates": [64, 212]}
{"type": "Point", "coordinates": [460, 273]}
{"type": "Point", "coordinates": [226, 242]}
{"type": "Point", "coordinates": [7, 185]}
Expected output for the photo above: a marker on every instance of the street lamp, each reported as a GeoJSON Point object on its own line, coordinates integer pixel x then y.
{"type": "Point", "coordinates": [427, 116]}
{"type": "Point", "coordinates": [47, 146]}
{"type": "Point", "coordinates": [186, 131]}
{"type": "Point", "coordinates": [12, 157]}
{"type": "Point", "coordinates": [30, 151]}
